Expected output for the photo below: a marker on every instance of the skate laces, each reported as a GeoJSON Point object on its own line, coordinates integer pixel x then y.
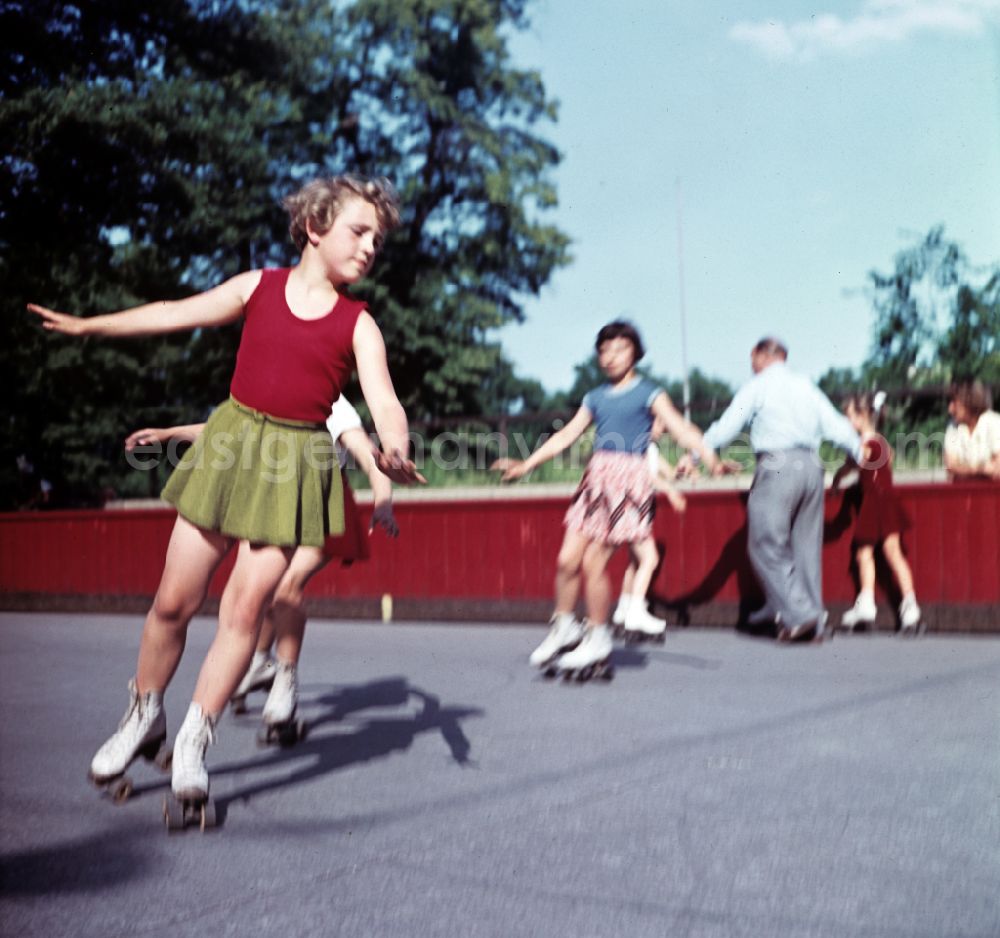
{"type": "Point", "coordinates": [202, 734]}
{"type": "Point", "coordinates": [134, 704]}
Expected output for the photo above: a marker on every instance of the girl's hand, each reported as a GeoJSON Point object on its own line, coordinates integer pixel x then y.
{"type": "Point", "coordinates": [512, 469]}
{"type": "Point", "coordinates": [677, 501]}
{"type": "Point", "coordinates": [146, 437]}
{"type": "Point", "coordinates": [383, 518]}
{"type": "Point", "coordinates": [727, 467]}
{"type": "Point", "coordinates": [397, 467]}
{"type": "Point", "coordinates": [685, 467]}
{"type": "Point", "coordinates": [59, 322]}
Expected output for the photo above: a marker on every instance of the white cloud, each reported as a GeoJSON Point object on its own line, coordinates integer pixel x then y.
{"type": "Point", "coordinates": [878, 21]}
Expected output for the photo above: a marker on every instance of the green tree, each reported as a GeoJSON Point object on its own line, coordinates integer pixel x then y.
{"type": "Point", "coordinates": [137, 168]}
{"type": "Point", "coordinates": [148, 145]}
{"type": "Point", "coordinates": [439, 108]}
{"type": "Point", "coordinates": [970, 348]}
{"type": "Point", "coordinates": [937, 318]}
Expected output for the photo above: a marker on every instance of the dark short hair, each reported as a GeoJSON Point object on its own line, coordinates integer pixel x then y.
{"type": "Point", "coordinates": [771, 346]}
{"type": "Point", "coordinates": [864, 403]}
{"type": "Point", "coordinates": [621, 329]}
{"type": "Point", "coordinates": [973, 395]}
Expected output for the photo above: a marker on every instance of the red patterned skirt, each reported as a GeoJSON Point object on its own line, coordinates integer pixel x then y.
{"type": "Point", "coordinates": [615, 501]}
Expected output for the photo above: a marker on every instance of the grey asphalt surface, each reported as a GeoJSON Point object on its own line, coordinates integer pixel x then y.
{"type": "Point", "coordinates": [720, 785]}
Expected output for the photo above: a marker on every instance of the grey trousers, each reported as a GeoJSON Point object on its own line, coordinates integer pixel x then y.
{"type": "Point", "coordinates": [785, 533]}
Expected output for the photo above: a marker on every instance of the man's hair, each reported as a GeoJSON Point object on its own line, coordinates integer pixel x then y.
{"type": "Point", "coordinates": [973, 395]}
{"type": "Point", "coordinates": [621, 329]}
{"type": "Point", "coordinates": [771, 346]}
{"type": "Point", "coordinates": [320, 201]}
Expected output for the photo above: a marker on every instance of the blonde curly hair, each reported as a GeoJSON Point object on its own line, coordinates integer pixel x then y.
{"type": "Point", "coordinates": [320, 201]}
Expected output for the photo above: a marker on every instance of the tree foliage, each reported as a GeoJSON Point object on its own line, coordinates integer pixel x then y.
{"type": "Point", "coordinates": [148, 147]}
{"type": "Point", "coordinates": [937, 319]}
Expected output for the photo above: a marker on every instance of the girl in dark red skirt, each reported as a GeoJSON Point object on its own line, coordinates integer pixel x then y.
{"type": "Point", "coordinates": [881, 519]}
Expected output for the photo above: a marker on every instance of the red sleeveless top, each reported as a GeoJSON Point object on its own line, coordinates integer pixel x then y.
{"type": "Point", "coordinates": [290, 367]}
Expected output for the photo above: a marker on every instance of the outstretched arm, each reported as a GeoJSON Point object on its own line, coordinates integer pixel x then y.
{"type": "Point", "coordinates": [553, 446]}
{"type": "Point", "coordinates": [845, 469]}
{"type": "Point", "coordinates": [387, 413]}
{"type": "Point", "coordinates": [683, 431]}
{"type": "Point", "coordinates": [216, 307]}
{"type": "Point", "coordinates": [186, 433]}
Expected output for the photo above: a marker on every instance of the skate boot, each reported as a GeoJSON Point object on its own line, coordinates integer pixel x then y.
{"type": "Point", "coordinates": [590, 659]}
{"type": "Point", "coordinates": [259, 676]}
{"type": "Point", "coordinates": [861, 614]}
{"type": "Point", "coordinates": [189, 803]}
{"type": "Point", "coordinates": [280, 725]}
{"type": "Point", "coordinates": [642, 625]}
{"type": "Point", "coordinates": [621, 612]}
{"type": "Point", "coordinates": [142, 732]}
{"type": "Point", "coordinates": [565, 633]}
{"type": "Point", "coordinates": [910, 619]}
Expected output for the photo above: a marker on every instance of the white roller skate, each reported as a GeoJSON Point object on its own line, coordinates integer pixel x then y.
{"type": "Point", "coordinates": [910, 617]}
{"type": "Point", "coordinates": [621, 611]}
{"type": "Point", "coordinates": [280, 725]}
{"type": "Point", "coordinates": [862, 614]}
{"type": "Point", "coordinates": [259, 676]}
{"type": "Point", "coordinates": [642, 625]}
{"type": "Point", "coordinates": [189, 803]}
{"type": "Point", "coordinates": [565, 633]}
{"type": "Point", "coordinates": [142, 732]}
{"type": "Point", "coordinates": [590, 659]}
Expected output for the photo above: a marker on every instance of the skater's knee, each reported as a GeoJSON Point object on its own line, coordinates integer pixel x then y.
{"type": "Point", "coordinates": [242, 615]}
{"type": "Point", "coordinates": [568, 564]}
{"type": "Point", "coordinates": [174, 608]}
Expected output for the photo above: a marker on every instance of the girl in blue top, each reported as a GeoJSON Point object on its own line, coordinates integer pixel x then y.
{"type": "Point", "coordinates": [613, 504]}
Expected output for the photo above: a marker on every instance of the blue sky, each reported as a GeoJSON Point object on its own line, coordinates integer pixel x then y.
{"type": "Point", "coordinates": [811, 143]}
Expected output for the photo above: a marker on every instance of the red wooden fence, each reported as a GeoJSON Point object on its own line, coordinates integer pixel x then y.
{"type": "Point", "coordinates": [494, 558]}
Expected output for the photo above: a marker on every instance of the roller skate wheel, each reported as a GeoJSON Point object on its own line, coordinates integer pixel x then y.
{"type": "Point", "coordinates": [122, 791]}
{"type": "Point", "coordinates": [207, 816]}
{"type": "Point", "coordinates": [165, 760]}
{"type": "Point", "coordinates": [238, 705]}
{"type": "Point", "coordinates": [173, 814]}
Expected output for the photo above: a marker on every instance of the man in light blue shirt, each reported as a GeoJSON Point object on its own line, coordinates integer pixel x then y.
{"type": "Point", "coordinates": [788, 418]}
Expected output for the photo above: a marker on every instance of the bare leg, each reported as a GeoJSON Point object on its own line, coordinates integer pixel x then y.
{"type": "Point", "coordinates": [192, 557]}
{"type": "Point", "coordinates": [267, 634]}
{"type": "Point", "coordinates": [647, 557]}
{"type": "Point", "coordinates": [866, 568]}
{"type": "Point", "coordinates": [628, 579]}
{"type": "Point", "coordinates": [893, 552]}
{"type": "Point", "coordinates": [598, 586]}
{"type": "Point", "coordinates": [251, 585]}
{"type": "Point", "coordinates": [286, 617]}
{"type": "Point", "coordinates": [568, 566]}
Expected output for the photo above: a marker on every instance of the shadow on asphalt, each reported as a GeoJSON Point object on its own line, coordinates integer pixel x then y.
{"type": "Point", "coordinates": [89, 865]}
{"type": "Point", "coordinates": [378, 735]}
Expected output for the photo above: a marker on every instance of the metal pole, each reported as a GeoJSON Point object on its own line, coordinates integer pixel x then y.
{"type": "Point", "coordinates": [680, 283]}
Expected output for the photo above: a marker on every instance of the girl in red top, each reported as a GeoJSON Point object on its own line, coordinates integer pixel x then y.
{"type": "Point", "coordinates": [263, 475]}
{"type": "Point", "coordinates": [881, 519]}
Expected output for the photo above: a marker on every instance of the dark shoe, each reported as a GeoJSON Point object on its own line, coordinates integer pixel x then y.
{"type": "Point", "coordinates": [764, 616]}
{"type": "Point", "coordinates": [806, 632]}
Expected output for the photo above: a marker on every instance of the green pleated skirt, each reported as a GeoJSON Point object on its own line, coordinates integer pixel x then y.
{"type": "Point", "coordinates": [260, 479]}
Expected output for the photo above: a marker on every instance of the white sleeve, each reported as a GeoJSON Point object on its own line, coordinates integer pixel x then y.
{"type": "Point", "coordinates": [342, 417]}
